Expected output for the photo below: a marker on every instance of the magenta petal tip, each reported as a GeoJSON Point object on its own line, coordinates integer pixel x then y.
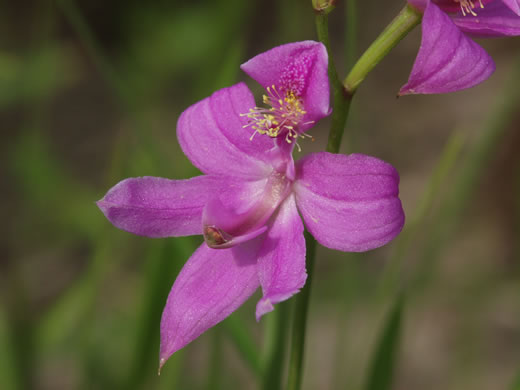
{"type": "Point", "coordinates": [263, 306]}
{"type": "Point", "coordinates": [161, 364]}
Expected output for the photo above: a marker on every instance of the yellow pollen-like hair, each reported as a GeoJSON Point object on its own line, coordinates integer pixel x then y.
{"type": "Point", "coordinates": [282, 117]}
{"type": "Point", "coordinates": [467, 6]}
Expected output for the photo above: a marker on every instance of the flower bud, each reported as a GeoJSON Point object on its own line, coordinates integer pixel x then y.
{"type": "Point", "coordinates": [323, 6]}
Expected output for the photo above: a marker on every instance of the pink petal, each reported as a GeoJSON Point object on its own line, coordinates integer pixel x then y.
{"type": "Point", "coordinates": [211, 286]}
{"type": "Point", "coordinates": [281, 260]}
{"type": "Point", "coordinates": [157, 207]}
{"type": "Point", "coordinates": [448, 61]}
{"type": "Point", "coordinates": [227, 106]}
{"type": "Point", "coordinates": [211, 134]}
{"type": "Point", "coordinates": [300, 67]}
{"type": "Point", "coordinates": [513, 5]}
{"type": "Point", "coordinates": [350, 203]}
{"type": "Point", "coordinates": [495, 20]}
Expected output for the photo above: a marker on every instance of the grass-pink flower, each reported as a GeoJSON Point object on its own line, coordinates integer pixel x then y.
{"type": "Point", "coordinates": [251, 199]}
{"type": "Point", "coordinates": [448, 59]}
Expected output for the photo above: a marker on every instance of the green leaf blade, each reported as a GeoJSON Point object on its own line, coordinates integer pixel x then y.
{"type": "Point", "coordinates": [381, 371]}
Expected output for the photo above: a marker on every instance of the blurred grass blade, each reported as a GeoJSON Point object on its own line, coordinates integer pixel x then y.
{"type": "Point", "coordinates": [70, 314]}
{"type": "Point", "coordinates": [214, 378]}
{"type": "Point", "coordinates": [295, 19]}
{"type": "Point", "coordinates": [390, 279]}
{"type": "Point", "coordinates": [381, 371]}
{"type": "Point", "coordinates": [7, 371]}
{"type": "Point", "coordinates": [164, 261]}
{"type": "Point", "coordinates": [228, 70]}
{"type": "Point", "coordinates": [470, 174]}
{"type": "Point", "coordinates": [32, 77]}
{"type": "Point", "coordinates": [124, 94]}
{"type": "Point", "coordinates": [20, 348]}
{"type": "Point", "coordinates": [244, 343]}
{"type": "Point", "coordinates": [276, 346]}
{"type": "Point", "coordinates": [516, 383]}
{"type": "Point", "coordinates": [34, 167]}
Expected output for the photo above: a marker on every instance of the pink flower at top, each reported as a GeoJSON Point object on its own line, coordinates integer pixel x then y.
{"type": "Point", "coordinates": [248, 202]}
{"type": "Point", "coordinates": [448, 59]}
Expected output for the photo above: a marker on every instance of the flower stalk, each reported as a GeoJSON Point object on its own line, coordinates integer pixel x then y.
{"type": "Point", "coordinates": [299, 321]}
{"type": "Point", "coordinates": [276, 341]}
{"type": "Point", "coordinates": [323, 7]}
{"type": "Point", "coordinates": [402, 24]}
{"type": "Point", "coordinates": [341, 96]}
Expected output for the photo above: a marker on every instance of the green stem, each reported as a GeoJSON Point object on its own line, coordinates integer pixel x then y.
{"type": "Point", "coordinates": [402, 24]}
{"type": "Point", "coordinates": [276, 336]}
{"type": "Point", "coordinates": [299, 322]}
{"type": "Point", "coordinates": [341, 97]}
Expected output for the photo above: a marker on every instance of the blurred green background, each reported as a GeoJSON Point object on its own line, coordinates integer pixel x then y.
{"type": "Point", "coordinates": [90, 92]}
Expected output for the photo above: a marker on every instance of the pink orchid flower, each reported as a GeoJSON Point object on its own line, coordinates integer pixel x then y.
{"type": "Point", "coordinates": [248, 202]}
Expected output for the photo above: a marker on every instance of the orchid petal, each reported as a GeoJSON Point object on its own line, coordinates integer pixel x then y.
{"type": "Point", "coordinates": [229, 106]}
{"type": "Point", "coordinates": [495, 20]}
{"type": "Point", "coordinates": [448, 61]}
{"type": "Point", "coordinates": [212, 284]}
{"type": "Point", "coordinates": [157, 207]}
{"type": "Point", "coordinates": [299, 67]}
{"type": "Point", "coordinates": [513, 5]}
{"type": "Point", "coordinates": [350, 202]}
{"type": "Point", "coordinates": [281, 260]}
{"type": "Point", "coordinates": [449, 6]}
{"type": "Point", "coordinates": [211, 134]}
